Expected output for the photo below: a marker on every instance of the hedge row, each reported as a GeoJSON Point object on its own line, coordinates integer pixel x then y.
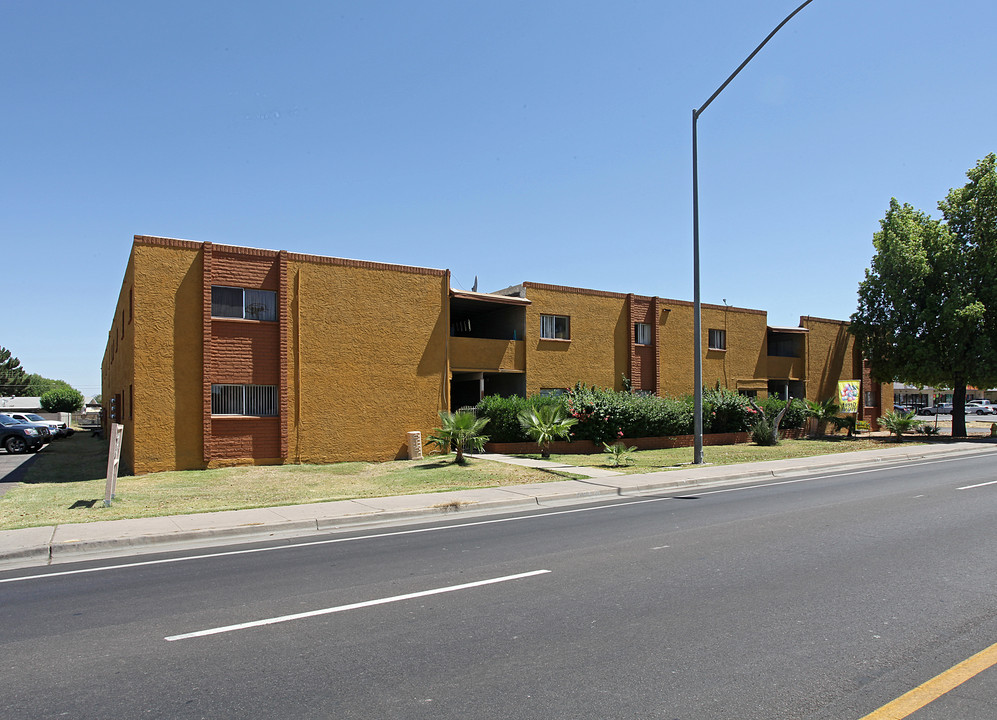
{"type": "Point", "coordinates": [606, 415]}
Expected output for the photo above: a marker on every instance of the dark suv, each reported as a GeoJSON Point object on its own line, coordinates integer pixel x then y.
{"type": "Point", "coordinates": [19, 437]}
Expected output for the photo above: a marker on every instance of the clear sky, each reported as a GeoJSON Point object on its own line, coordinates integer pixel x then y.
{"type": "Point", "coordinates": [541, 140]}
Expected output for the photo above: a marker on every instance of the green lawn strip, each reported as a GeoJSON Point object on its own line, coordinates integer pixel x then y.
{"type": "Point", "coordinates": [642, 461]}
{"type": "Point", "coordinates": [65, 484]}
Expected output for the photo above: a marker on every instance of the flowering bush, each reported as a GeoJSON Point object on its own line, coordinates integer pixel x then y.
{"type": "Point", "coordinates": [726, 411]}
{"type": "Point", "coordinates": [605, 415]}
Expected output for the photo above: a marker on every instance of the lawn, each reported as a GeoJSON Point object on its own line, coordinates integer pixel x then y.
{"type": "Point", "coordinates": [65, 482]}
{"type": "Point", "coordinates": [673, 458]}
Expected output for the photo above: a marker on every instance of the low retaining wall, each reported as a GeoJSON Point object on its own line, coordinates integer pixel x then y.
{"type": "Point", "coordinates": [588, 447]}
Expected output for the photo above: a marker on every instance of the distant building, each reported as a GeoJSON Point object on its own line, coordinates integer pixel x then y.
{"type": "Point", "coordinates": [20, 404]}
{"type": "Point", "coordinates": [221, 355]}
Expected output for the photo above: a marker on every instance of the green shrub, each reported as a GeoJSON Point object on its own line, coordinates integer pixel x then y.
{"type": "Point", "coordinates": [604, 415]}
{"type": "Point", "coordinates": [503, 414]}
{"type": "Point", "coordinates": [726, 411]}
{"type": "Point", "coordinates": [795, 417]}
{"type": "Point", "coordinates": [762, 433]}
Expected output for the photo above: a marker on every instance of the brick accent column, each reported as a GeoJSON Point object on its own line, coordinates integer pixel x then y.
{"type": "Point", "coordinates": [656, 338]}
{"type": "Point", "coordinates": [632, 368]}
{"type": "Point", "coordinates": [870, 413]}
{"type": "Point", "coordinates": [206, 350]}
{"type": "Point", "coordinates": [284, 318]}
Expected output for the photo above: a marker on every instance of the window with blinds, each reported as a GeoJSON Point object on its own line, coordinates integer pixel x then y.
{"type": "Point", "coordinates": [255, 400]}
{"type": "Point", "coordinates": [555, 327]}
{"type": "Point", "coordinates": [233, 302]}
{"type": "Point", "coordinates": [642, 333]}
{"type": "Point", "coordinates": [718, 340]}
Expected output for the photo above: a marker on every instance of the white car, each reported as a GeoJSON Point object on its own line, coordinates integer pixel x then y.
{"type": "Point", "coordinates": [980, 407]}
{"type": "Point", "coordinates": [58, 429]}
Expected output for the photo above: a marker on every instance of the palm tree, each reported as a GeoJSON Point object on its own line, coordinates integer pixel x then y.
{"type": "Point", "coordinates": [823, 412]}
{"type": "Point", "coordinates": [545, 424]}
{"type": "Point", "coordinates": [460, 431]}
{"type": "Point", "coordinates": [899, 422]}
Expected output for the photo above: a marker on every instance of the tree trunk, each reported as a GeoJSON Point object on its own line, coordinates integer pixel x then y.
{"type": "Point", "coordinates": [958, 407]}
{"type": "Point", "coordinates": [545, 451]}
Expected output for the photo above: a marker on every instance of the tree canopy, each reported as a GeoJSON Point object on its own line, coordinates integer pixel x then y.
{"type": "Point", "coordinates": [62, 400]}
{"type": "Point", "coordinates": [927, 309]}
{"type": "Point", "coordinates": [12, 375]}
{"type": "Point", "coordinates": [35, 385]}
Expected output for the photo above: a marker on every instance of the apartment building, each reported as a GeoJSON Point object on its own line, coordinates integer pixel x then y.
{"type": "Point", "coordinates": [221, 355]}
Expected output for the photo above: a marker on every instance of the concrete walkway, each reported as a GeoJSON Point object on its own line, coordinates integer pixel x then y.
{"type": "Point", "coordinates": [79, 541]}
{"type": "Point", "coordinates": [589, 472]}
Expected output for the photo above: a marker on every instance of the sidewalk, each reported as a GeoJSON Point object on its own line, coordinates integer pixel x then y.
{"type": "Point", "coordinates": [80, 541]}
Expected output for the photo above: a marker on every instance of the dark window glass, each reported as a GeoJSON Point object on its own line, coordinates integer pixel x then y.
{"type": "Point", "coordinates": [261, 305]}
{"type": "Point", "coordinates": [226, 302]}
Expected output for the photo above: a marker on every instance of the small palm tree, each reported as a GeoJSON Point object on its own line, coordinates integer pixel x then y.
{"type": "Point", "coordinates": [460, 431]}
{"type": "Point", "coordinates": [823, 412]}
{"type": "Point", "coordinates": [899, 422]}
{"type": "Point", "coordinates": [545, 424]}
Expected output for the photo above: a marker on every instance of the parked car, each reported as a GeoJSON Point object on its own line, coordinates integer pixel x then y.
{"type": "Point", "coordinates": [57, 429]}
{"type": "Point", "coordinates": [17, 437]}
{"type": "Point", "coordinates": [981, 407]}
{"type": "Point", "coordinates": [943, 409]}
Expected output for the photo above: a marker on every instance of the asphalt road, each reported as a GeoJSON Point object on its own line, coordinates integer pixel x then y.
{"type": "Point", "coordinates": [816, 598]}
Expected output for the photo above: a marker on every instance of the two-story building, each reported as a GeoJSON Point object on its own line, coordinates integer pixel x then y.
{"type": "Point", "coordinates": [221, 355]}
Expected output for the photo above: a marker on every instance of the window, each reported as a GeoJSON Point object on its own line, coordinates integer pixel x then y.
{"type": "Point", "coordinates": [718, 340]}
{"type": "Point", "coordinates": [259, 400]}
{"type": "Point", "coordinates": [784, 345]}
{"type": "Point", "coordinates": [642, 333]}
{"type": "Point", "coordinates": [233, 302]}
{"type": "Point", "coordinates": [555, 327]}
{"type": "Point", "coordinates": [870, 398]}
{"type": "Point", "coordinates": [552, 391]}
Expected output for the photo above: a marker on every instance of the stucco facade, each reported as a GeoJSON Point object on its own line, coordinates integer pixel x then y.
{"type": "Point", "coordinates": [221, 355]}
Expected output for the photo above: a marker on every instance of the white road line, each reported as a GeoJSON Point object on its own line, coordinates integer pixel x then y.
{"type": "Point", "coordinates": [970, 487]}
{"type": "Point", "coordinates": [352, 606]}
{"type": "Point", "coordinates": [439, 528]}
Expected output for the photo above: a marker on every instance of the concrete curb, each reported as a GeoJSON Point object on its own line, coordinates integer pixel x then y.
{"type": "Point", "coordinates": [62, 543]}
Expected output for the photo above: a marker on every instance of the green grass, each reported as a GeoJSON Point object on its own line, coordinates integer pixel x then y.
{"type": "Point", "coordinates": [643, 461]}
{"type": "Point", "coordinates": [65, 484]}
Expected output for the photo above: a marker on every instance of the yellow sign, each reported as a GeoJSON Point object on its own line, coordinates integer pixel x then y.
{"type": "Point", "coordinates": [848, 396]}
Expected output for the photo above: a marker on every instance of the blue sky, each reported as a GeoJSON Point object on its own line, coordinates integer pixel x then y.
{"type": "Point", "coordinates": [541, 140]}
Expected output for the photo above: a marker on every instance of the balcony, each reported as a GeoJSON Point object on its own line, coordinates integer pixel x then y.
{"type": "Point", "coordinates": [786, 368]}
{"type": "Point", "coordinates": [487, 355]}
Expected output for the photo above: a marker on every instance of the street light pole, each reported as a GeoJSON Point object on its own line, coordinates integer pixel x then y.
{"type": "Point", "coordinates": [697, 319]}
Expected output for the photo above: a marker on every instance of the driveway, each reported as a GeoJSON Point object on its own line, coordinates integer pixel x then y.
{"type": "Point", "coordinates": [12, 469]}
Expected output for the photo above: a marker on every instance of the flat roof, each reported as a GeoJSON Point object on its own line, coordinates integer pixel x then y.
{"type": "Point", "coordinates": [488, 297]}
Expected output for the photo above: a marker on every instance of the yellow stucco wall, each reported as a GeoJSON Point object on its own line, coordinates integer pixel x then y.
{"type": "Point", "coordinates": [743, 364]}
{"type": "Point", "coordinates": [596, 354]}
{"type": "Point", "coordinates": [487, 354]}
{"type": "Point", "coordinates": [117, 370]}
{"type": "Point", "coordinates": [833, 356]}
{"type": "Point", "coordinates": [168, 358]}
{"type": "Point", "coordinates": [830, 357]}
{"type": "Point", "coordinates": [367, 359]}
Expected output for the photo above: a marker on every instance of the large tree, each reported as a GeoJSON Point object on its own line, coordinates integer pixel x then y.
{"type": "Point", "coordinates": [35, 385]}
{"type": "Point", "coordinates": [927, 311]}
{"type": "Point", "coordinates": [13, 378]}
